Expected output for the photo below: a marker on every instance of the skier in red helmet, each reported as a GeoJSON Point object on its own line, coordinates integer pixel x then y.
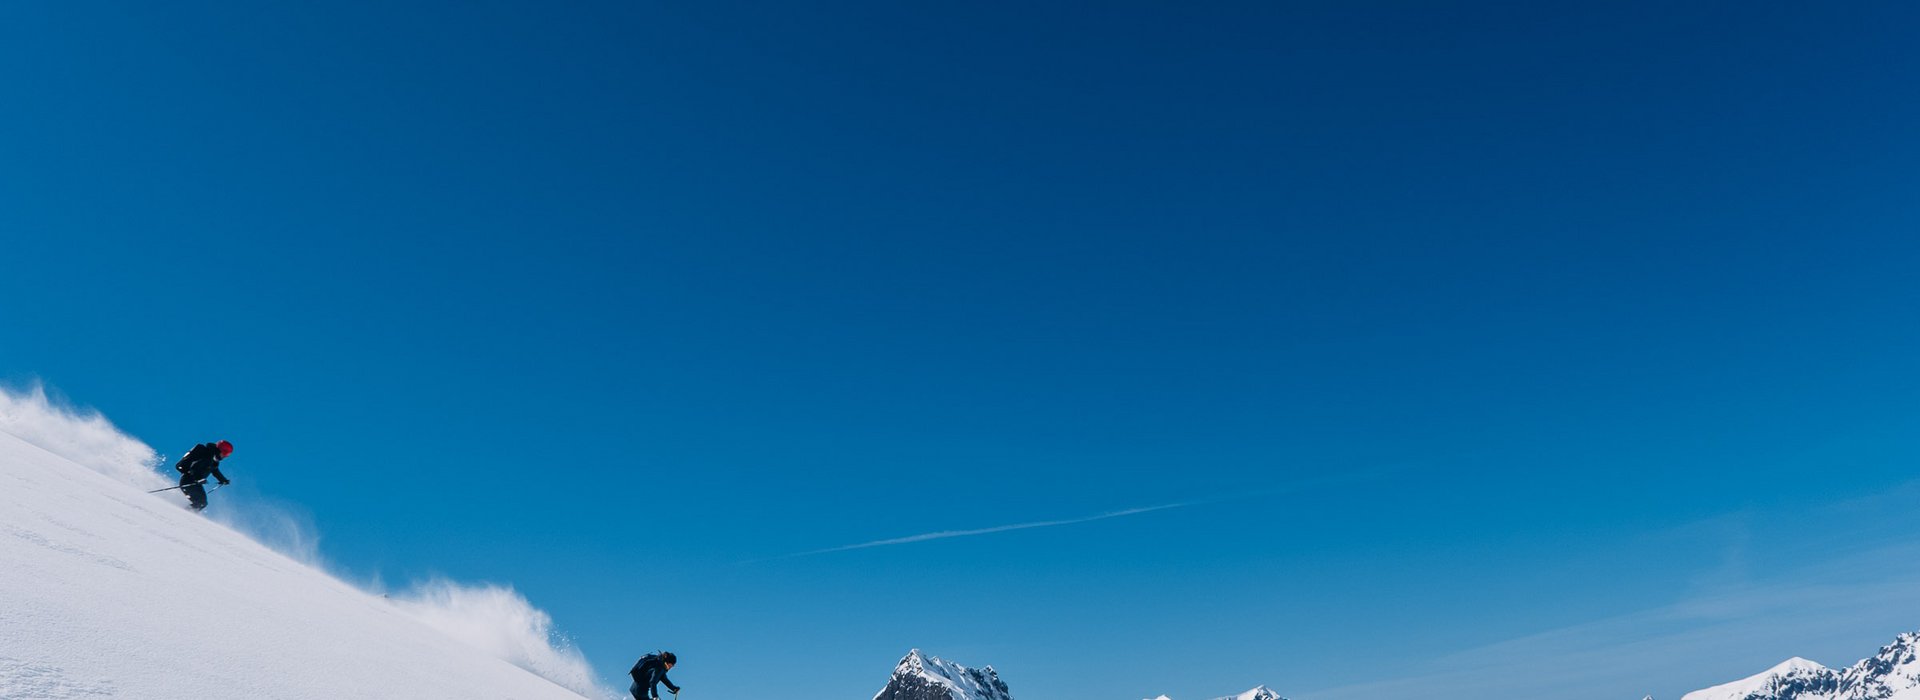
{"type": "Point", "coordinates": [199, 462]}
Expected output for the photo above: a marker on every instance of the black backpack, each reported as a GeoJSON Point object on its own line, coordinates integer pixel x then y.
{"type": "Point", "coordinates": [645, 661]}
{"type": "Point", "coordinates": [193, 456]}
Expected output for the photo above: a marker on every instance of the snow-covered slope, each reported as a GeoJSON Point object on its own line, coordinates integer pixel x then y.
{"type": "Point", "coordinates": [1892, 674]}
{"type": "Point", "coordinates": [921, 677]}
{"type": "Point", "coordinates": [106, 591]}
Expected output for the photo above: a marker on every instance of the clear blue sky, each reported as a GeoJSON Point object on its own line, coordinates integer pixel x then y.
{"type": "Point", "coordinates": [1455, 323]}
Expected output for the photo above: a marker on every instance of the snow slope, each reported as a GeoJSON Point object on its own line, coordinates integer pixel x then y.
{"type": "Point", "coordinates": [106, 591]}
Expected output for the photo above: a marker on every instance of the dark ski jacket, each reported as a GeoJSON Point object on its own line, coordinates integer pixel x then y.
{"type": "Point", "coordinates": [648, 671]}
{"type": "Point", "coordinates": [199, 462]}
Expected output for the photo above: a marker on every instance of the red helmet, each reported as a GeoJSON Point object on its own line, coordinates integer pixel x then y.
{"type": "Point", "coordinates": [226, 448]}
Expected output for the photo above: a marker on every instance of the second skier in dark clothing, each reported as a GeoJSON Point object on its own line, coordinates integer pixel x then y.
{"type": "Point", "coordinates": [199, 462]}
{"type": "Point", "coordinates": [649, 672]}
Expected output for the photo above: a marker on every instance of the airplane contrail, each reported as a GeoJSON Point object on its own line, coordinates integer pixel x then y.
{"type": "Point", "coordinates": [1358, 475]}
{"type": "Point", "coordinates": [944, 534]}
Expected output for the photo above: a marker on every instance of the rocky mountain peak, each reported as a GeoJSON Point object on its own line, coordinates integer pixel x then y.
{"type": "Point", "coordinates": [922, 677]}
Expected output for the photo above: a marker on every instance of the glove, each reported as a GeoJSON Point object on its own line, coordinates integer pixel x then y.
{"type": "Point", "coordinates": [224, 482]}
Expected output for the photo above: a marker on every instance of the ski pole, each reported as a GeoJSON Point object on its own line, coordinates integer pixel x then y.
{"type": "Point", "coordinates": [216, 487]}
{"type": "Point", "coordinates": [170, 488]}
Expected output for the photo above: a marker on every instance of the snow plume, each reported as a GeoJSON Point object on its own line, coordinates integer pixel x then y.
{"type": "Point", "coordinates": [282, 527]}
{"type": "Point", "coordinates": [500, 621]}
{"type": "Point", "coordinates": [493, 619]}
{"type": "Point", "coordinates": [81, 436]}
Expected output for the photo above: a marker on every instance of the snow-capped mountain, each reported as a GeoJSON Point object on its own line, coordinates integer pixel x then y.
{"type": "Point", "coordinates": [1892, 674]}
{"type": "Point", "coordinates": [1258, 693]}
{"type": "Point", "coordinates": [922, 677]}
{"type": "Point", "coordinates": [1794, 678]}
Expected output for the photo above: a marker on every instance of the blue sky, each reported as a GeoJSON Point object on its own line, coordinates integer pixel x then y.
{"type": "Point", "coordinates": [1446, 326]}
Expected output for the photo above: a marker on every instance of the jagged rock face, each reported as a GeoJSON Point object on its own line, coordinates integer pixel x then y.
{"type": "Point", "coordinates": [1818, 683]}
{"type": "Point", "coordinates": [1796, 679]}
{"type": "Point", "coordinates": [1893, 670]}
{"type": "Point", "coordinates": [920, 677]}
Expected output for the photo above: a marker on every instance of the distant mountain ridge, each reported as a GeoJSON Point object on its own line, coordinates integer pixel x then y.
{"type": "Point", "coordinates": [1891, 674]}
{"type": "Point", "coordinates": [919, 676]}
{"type": "Point", "coordinates": [1257, 693]}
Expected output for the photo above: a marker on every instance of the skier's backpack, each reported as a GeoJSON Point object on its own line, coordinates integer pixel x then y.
{"type": "Point", "coordinates": [192, 456]}
{"type": "Point", "coordinates": [641, 665]}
